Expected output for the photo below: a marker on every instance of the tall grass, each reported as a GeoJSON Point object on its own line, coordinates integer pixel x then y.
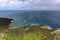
{"type": "Point", "coordinates": [34, 36]}
{"type": "Point", "coordinates": [28, 36]}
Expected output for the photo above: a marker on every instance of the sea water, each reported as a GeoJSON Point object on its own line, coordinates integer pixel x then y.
{"type": "Point", "coordinates": [27, 18]}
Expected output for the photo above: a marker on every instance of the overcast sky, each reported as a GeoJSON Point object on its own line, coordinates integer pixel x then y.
{"type": "Point", "coordinates": [30, 4]}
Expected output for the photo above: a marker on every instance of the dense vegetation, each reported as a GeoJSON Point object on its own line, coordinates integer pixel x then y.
{"type": "Point", "coordinates": [42, 32]}
{"type": "Point", "coordinates": [29, 36]}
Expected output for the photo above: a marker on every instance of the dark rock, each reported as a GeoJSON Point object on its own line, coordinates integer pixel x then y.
{"type": "Point", "coordinates": [4, 23]}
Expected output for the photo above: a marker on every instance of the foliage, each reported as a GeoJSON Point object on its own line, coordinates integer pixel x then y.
{"type": "Point", "coordinates": [11, 36]}
{"type": "Point", "coordinates": [28, 36]}
{"type": "Point", "coordinates": [34, 36]}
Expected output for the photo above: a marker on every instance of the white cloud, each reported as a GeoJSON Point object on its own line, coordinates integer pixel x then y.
{"type": "Point", "coordinates": [15, 3]}
{"type": "Point", "coordinates": [3, 3]}
{"type": "Point", "coordinates": [42, 4]}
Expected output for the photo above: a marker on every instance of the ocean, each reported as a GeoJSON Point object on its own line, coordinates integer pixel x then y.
{"type": "Point", "coordinates": [29, 17]}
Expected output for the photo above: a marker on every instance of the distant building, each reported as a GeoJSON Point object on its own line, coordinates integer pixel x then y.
{"type": "Point", "coordinates": [4, 23]}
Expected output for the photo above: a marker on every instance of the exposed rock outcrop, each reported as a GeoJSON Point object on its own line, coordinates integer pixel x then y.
{"type": "Point", "coordinates": [4, 23]}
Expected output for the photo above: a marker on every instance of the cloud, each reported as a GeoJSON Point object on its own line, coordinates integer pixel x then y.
{"type": "Point", "coordinates": [35, 4]}
{"type": "Point", "coordinates": [3, 3]}
{"type": "Point", "coordinates": [13, 3]}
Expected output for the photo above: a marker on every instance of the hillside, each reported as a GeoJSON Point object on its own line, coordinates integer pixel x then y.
{"type": "Point", "coordinates": [34, 32]}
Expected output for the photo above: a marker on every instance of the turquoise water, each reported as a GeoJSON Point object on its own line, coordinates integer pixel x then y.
{"type": "Point", "coordinates": [26, 18]}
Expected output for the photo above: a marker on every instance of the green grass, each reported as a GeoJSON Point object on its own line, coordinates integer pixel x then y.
{"type": "Point", "coordinates": [11, 36]}
{"type": "Point", "coordinates": [33, 36]}
{"type": "Point", "coordinates": [29, 36]}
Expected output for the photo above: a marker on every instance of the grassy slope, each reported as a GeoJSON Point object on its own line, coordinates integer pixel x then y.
{"type": "Point", "coordinates": [28, 33]}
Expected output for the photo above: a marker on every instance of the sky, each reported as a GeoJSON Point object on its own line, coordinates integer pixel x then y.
{"type": "Point", "coordinates": [29, 4]}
